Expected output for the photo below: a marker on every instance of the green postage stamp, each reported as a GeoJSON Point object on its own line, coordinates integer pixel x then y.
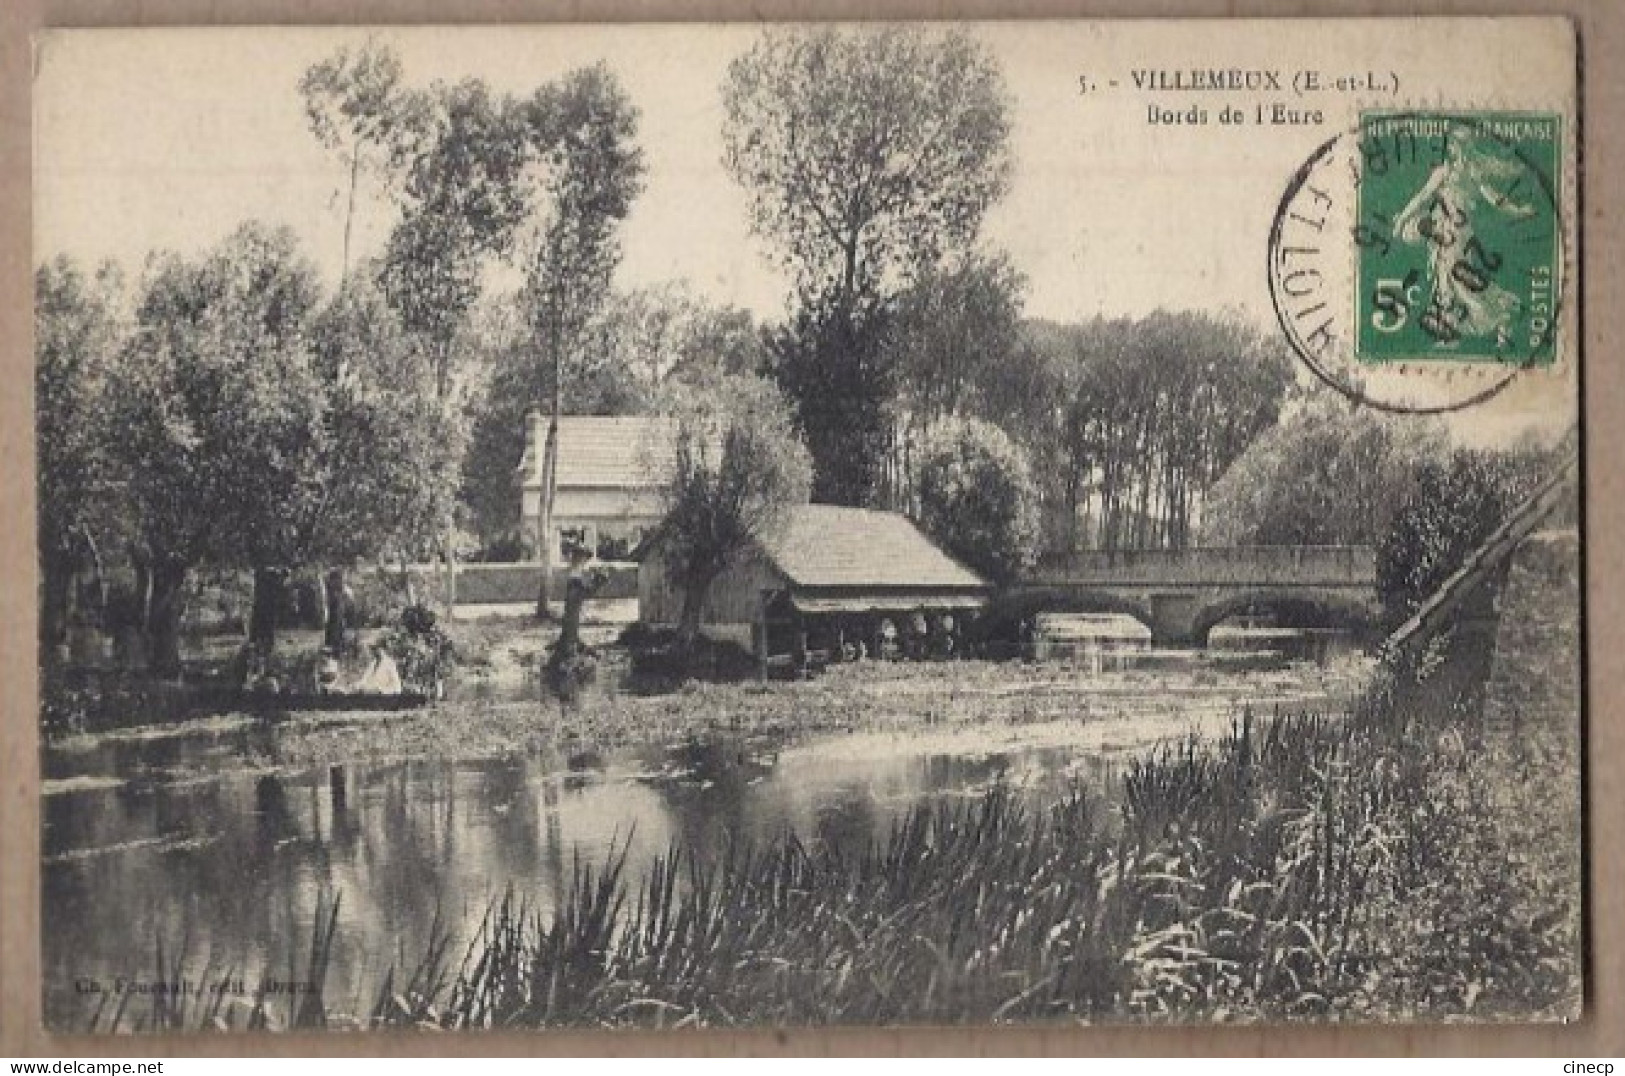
{"type": "Point", "coordinates": [1458, 237]}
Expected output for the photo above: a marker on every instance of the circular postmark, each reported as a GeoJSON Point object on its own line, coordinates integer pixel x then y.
{"type": "Point", "coordinates": [1415, 261]}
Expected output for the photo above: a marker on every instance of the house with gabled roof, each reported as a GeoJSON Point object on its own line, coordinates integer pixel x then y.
{"type": "Point", "coordinates": [830, 573]}
{"type": "Point", "coordinates": [611, 474]}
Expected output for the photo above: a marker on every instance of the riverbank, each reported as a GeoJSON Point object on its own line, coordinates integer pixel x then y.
{"type": "Point", "coordinates": [1052, 701]}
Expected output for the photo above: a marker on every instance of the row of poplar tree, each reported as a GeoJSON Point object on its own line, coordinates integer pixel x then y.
{"type": "Point", "coordinates": [222, 411]}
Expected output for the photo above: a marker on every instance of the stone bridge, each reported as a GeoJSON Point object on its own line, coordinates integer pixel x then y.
{"type": "Point", "coordinates": [1180, 594]}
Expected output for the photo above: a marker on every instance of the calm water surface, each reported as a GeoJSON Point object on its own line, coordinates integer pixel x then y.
{"type": "Point", "coordinates": [146, 839]}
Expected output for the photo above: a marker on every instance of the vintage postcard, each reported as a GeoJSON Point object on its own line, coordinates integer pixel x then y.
{"type": "Point", "coordinates": [771, 524]}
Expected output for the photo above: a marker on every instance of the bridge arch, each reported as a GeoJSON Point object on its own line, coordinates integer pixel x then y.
{"type": "Point", "coordinates": [1298, 609]}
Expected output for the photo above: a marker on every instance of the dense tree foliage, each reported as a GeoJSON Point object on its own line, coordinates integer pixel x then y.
{"type": "Point", "coordinates": [977, 498]}
{"type": "Point", "coordinates": [1453, 505]}
{"type": "Point", "coordinates": [235, 422]}
{"type": "Point", "coordinates": [738, 468]}
{"type": "Point", "coordinates": [953, 330]}
{"type": "Point", "coordinates": [867, 154]}
{"type": "Point", "coordinates": [384, 473]}
{"type": "Point", "coordinates": [869, 157]}
{"type": "Point", "coordinates": [1158, 410]}
{"type": "Point", "coordinates": [1129, 422]}
{"type": "Point", "coordinates": [840, 378]}
{"type": "Point", "coordinates": [460, 160]}
{"type": "Point", "coordinates": [1328, 474]}
{"type": "Point", "coordinates": [77, 333]}
{"type": "Point", "coordinates": [219, 414]}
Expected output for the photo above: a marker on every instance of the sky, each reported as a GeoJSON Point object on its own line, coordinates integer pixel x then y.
{"type": "Point", "coordinates": [153, 140]}
{"type": "Point", "coordinates": [149, 140]}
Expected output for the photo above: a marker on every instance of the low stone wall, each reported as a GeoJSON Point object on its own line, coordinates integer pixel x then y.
{"type": "Point", "coordinates": [493, 584]}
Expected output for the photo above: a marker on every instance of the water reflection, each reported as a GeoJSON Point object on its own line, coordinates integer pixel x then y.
{"type": "Point", "coordinates": [236, 866]}
{"type": "Point", "coordinates": [148, 839]}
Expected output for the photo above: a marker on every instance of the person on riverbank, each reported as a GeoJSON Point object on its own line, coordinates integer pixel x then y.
{"type": "Point", "coordinates": [383, 677]}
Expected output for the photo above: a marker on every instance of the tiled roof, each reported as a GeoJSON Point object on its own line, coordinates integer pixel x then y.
{"type": "Point", "coordinates": [825, 545]}
{"type": "Point", "coordinates": [616, 452]}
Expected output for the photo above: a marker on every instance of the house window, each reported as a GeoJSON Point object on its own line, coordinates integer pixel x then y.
{"type": "Point", "coordinates": [612, 547]}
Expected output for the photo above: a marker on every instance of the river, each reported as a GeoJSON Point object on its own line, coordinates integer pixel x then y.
{"type": "Point", "coordinates": [150, 839]}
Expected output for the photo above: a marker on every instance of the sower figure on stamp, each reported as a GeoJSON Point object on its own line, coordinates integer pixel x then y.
{"type": "Point", "coordinates": [1441, 217]}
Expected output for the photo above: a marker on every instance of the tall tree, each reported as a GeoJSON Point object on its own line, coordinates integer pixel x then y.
{"type": "Point", "coordinates": [869, 156]}
{"type": "Point", "coordinates": [1155, 409]}
{"type": "Point", "coordinates": [383, 476]}
{"type": "Point", "coordinates": [76, 337]}
{"type": "Point", "coordinates": [839, 374]}
{"type": "Point", "coordinates": [956, 326]}
{"type": "Point", "coordinates": [462, 155]}
{"type": "Point", "coordinates": [951, 329]}
{"type": "Point", "coordinates": [351, 106]}
{"type": "Point", "coordinates": [219, 412]}
{"type": "Point", "coordinates": [1026, 395]}
{"type": "Point", "coordinates": [582, 133]}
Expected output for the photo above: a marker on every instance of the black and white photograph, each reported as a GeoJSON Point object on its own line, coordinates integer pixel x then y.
{"type": "Point", "coordinates": [755, 524]}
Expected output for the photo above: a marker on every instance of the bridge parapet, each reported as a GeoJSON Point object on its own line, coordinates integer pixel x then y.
{"type": "Point", "coordinates": [1327, 566]}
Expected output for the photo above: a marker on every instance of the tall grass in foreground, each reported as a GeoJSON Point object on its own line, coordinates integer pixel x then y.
{"type": "Point", "coordinates": [1386, 865]}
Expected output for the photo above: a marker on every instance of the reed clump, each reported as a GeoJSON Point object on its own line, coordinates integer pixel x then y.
{"type": "Point", "coordinates": [1385, 864]}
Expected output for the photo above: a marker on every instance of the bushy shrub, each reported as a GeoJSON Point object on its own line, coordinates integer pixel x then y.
{"type": "Point", "coordinates": [640, 635]}
{"type": "Point", "coordinates": [1452, 508]}
{"type": "Point", "coordinates": [659, 660]}
{"type": "Point", "coordinates": [977, 498]}
{"type": "Point", "coordinates": [422, 650]}
{"type": "Point", "coordinates": [568, 675]}
{"type": "Point", "coordinates": [1326, 474]}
